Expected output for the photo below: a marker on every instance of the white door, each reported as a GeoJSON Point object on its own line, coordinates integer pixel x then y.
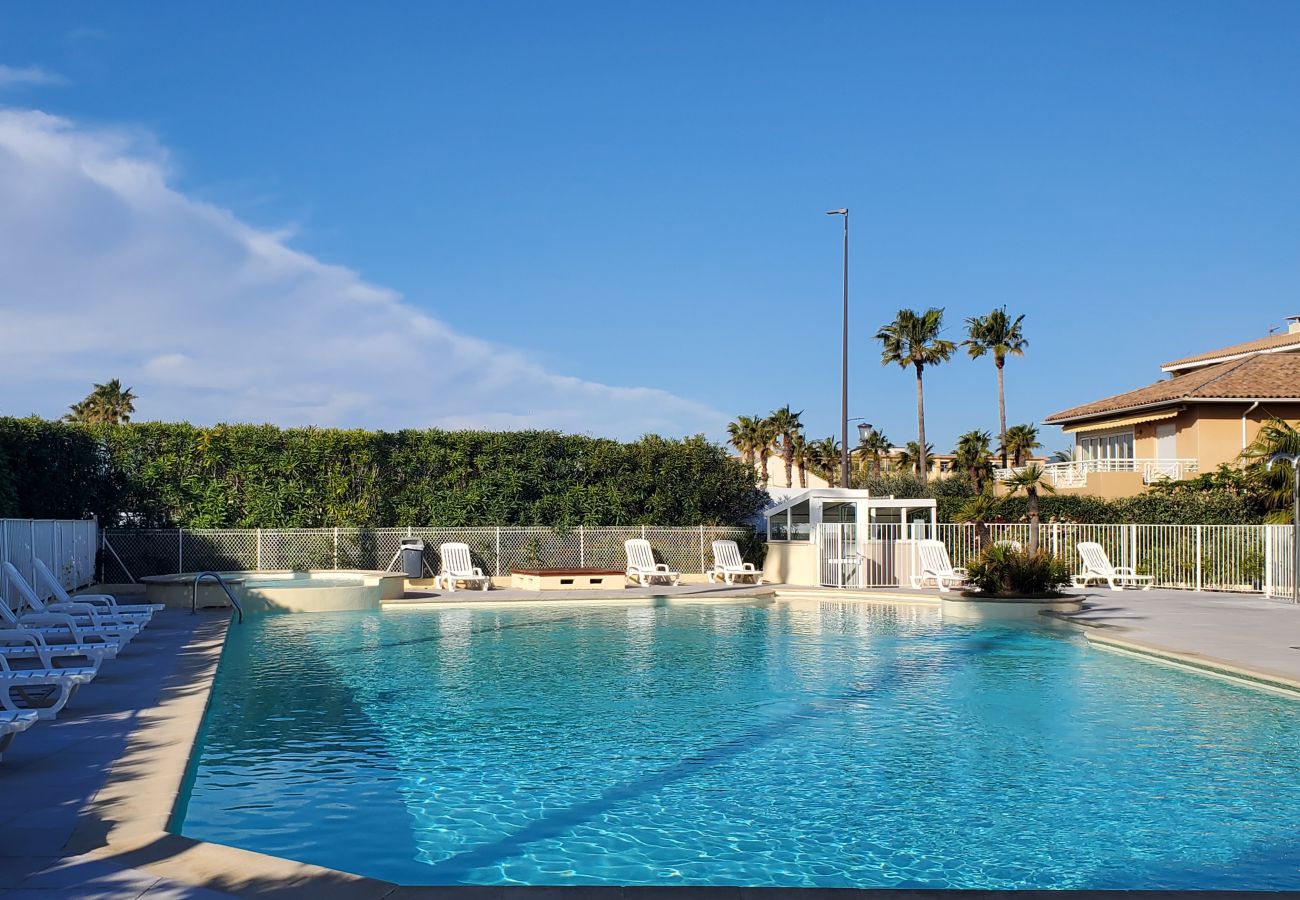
{"type": "Point", "coordinates": [1166, 440]}
{"type": "Point", "coordinates": [1166, 465]}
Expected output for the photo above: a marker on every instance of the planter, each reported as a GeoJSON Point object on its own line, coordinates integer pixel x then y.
{"type": "Point", "coordinates": [974, 608]}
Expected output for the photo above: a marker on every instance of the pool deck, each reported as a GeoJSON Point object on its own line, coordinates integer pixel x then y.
{"type": "Point", "coordinates": [1242, 634]}
{"type": "Point", "coordinates": [87, 798]}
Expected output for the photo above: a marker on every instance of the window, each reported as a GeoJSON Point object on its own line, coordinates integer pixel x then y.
{"type": "Point", "coordinates": [840, 513]}
{"type": "Point", "coordinates": [1114, 450]}
{"type": "Point", "coordinates": [778, 526]}
{"type": "Point", "coordinates": [793, 524]}
{"type": "Point", "coordinates": [800, 522]}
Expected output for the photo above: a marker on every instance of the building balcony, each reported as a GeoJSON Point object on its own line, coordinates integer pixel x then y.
{"type": "Point", "coordinates": [1075, 473]}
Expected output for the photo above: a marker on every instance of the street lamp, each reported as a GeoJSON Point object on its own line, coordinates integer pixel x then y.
{"type": "Point", "coordinates": [844, 358]}
{"type": "Point", "coordinates": [1294, 460]}
{"type": "Point", "coordinates": [865, 431]}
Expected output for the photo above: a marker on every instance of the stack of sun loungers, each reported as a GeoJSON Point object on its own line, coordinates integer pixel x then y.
{"type": "Point", "coordinates": [50, 648]}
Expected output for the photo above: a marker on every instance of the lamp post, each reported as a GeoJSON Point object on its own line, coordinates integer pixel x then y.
{"type": "Point", "coordinates": [865, 431]}
{"type": "Point", "coordinates": [1294, 460]}
{"type": "Point", "coordinates": [844, 357]}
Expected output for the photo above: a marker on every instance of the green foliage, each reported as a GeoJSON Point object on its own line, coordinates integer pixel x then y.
{"type": "Point", "coordinates": [1003, 571]}
{"type": "Point", "coordinates": [1208, 500]}
{"type": "Point", "coordinates": [1274, 488]}
{"type": "Point", "coordinates": [258, 476]}
{"type": "Point", "coordinates": [106, 404]}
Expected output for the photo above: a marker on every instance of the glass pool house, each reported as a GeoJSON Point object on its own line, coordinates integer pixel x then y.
{"type": "Point", "coordinates": [840, 537]}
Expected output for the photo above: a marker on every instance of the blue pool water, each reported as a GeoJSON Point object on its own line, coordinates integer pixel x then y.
{"type": "Point", "coordinates": [749, 743]}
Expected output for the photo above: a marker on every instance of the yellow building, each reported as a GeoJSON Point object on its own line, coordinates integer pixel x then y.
{"type": "Point", "coordinates": [1203, 415]}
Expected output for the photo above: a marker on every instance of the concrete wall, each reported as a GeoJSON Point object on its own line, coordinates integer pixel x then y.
{"type": "Point", "coordinates": [776, 475]}
{"type": "Point", "coordinates": [1108, 485]}
{"type": "Point", "coordinates": [793, 562]}
{"type": "Point", "coordinates": [1216, 435]}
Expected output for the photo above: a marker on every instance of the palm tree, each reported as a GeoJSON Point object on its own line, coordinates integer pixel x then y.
{"type": "Point", "coordinates": [875, 448]}
{"type": "Point", "coordinates": [785, 425]}
{"type": "Point", "coordinates": [743, 435]}
{"type": "Point", "coordinates": [911, 457]}
{"type": "Point", "coordinates": [1030, 480]}
{"type": "Point", "coordinates": [972, 456]}
{"type": "Point", "coordinates": [1021, 441]}
{"type": "Point", "coordinates": [764, 438]}
{"type": "Point", "coordinates": [1278, 483]}
{"type": "Point", "coordinates": [737, 438]}
{"type": "Point", "coordinates": [1064, 455]}
{"type": "Point", "coordinates": [998, 334]}
{"type": "Point", "coordinates": [802, 456]}
{"type": "Point", "coordinates": [978, 510]}
{"type": "Point", "coordinates": [825, 455]}
{"type": "Point", "coordinates": [912, 339]}
{"type": "Point", "coordinates": [107, 404]}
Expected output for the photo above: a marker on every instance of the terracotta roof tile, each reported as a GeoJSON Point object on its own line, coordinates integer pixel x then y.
{"type": "Point", "coordinates": [1272, 342]}
{"type": "Point", "coordinates": [1273, 376]}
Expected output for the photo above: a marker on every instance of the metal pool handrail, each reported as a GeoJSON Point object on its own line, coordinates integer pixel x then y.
{"type": "Point", "coordinates": [194, 596]}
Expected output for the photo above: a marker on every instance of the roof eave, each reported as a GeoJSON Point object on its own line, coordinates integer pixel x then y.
{"type": "Point", "coordinates": [1181, 401]}
{"type": "Point", "coordinates": [1059, 419]}
{"type": "Point", "coordinates": [1184, 365]}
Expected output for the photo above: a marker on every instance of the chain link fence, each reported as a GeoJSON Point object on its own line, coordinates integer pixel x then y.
{"type": "Point", "coordinates": [130, 553]}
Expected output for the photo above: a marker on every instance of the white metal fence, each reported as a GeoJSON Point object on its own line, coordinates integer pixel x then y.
{"type": "Point", "coordinates": [129, 554]}
{"type": "Point", "coordinates": [1241, 558]}
{"type": "Point", "coordinates": [66, 546]}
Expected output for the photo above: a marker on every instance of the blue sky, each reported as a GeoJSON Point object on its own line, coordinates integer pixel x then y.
{"type": "Point", "coordinates": [625, 202]}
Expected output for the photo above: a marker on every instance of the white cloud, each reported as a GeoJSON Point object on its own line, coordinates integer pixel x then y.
{"type": "Point", "coordinates": [108, 272]}
{"type": "Point", "coordinates": [11, 76]}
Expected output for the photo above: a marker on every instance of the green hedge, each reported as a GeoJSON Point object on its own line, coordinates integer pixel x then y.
{"type": "Point", "coordinates": [1178, 503]}
{"type": "Point", "coordinates": [156, 474]}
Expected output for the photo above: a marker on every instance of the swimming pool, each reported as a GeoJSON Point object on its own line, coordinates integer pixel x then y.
{"type": "Point", "coordinates": [794, 743]}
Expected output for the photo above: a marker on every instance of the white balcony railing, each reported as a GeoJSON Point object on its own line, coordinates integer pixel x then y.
{"type": "Point", "coordinates": [1076, 472]}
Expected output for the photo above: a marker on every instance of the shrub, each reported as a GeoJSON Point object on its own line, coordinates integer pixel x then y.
{"type": "Point", "coordinates": [1003, 571]}
{"type": "Point", "coordinates": [165, 474]}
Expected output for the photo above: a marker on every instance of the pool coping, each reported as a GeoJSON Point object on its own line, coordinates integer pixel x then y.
{"type": "Point", "coordinates": [127, 821]}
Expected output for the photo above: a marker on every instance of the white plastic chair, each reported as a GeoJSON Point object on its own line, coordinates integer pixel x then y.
{"type": "Point", "coordinates": [937, 567]}
{"type": "Point", "coordinates": [28, 644]}
{"type": "Point", "coordinates": [64, 629]}
{"type": "Point", "coordinates": [641, 565]}
{"type": "Point", "coordinates": [12, 723]}
{"type": "Point", "coordinates": [457, 567]}
{"type": "Point", "coordinates": [45, 691]}
{"type": "Point", "coordinates": [142, 612]}
{"type": "Point", "coordinates": [728, 566]}
{"type": "Point", "coordinates": [86, 619]}
{"type": "Point", "coordinates": [1097, 567]}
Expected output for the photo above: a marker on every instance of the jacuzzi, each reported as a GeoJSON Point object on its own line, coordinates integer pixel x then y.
{"type": "Point", "coordinates": [280, 591]}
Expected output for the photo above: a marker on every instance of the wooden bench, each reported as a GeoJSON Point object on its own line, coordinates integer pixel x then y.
{"type": "Point", "coordinates": [567, 579]}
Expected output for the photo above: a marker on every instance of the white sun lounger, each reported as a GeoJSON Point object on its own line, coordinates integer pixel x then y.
{"type": "Point", "coordinates": [64, 629]}
{"type": "Point", "coordinates": [83, 614]}
{"type": "Point", "coordinates": [457, 567]}
{"type": "Point", "coordinates": [141, 611]}
{"type": "Point", "coordinates": [30, 644]}
{"type": "Point", "coordinates": [61, 628]}
{"type": "Point", "coordinates": [12, 723]}
{"type": "Point", "coordinates": [86, 619]}
{"type": "Point", "coordinates": [641, 565]}
{"type": "Point", "coordinates": [44, 691]}
{"type": "Point", "coordinates": [728, 566]}
{"type": "Point", "coordinates": [935, 566]}
{"type": "Point", "coordinates": [1097, 567]}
